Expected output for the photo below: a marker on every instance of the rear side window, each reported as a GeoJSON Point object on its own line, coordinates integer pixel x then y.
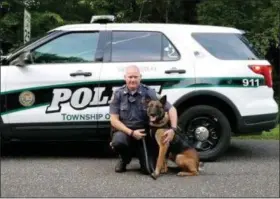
{"type": "Point", "coordinates": [227, 46]}
{"type": "Point", "coordinates": [142, 46]}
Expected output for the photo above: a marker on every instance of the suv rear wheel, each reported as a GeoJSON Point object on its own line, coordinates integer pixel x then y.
{"type": "Point", "coordinates": [207, 129]}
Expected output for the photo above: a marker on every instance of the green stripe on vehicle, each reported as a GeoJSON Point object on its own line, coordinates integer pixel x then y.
{"type": "Point", "coordinates": [167, 83]}
{"type": "Point", "coordinates": [185, 83]}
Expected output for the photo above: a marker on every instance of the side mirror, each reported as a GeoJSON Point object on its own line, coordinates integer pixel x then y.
{"type": "Point", "coordinates": [24, 59]}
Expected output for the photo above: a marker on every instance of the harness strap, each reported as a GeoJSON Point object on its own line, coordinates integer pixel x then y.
{"type": "Point", "coordinates": [181, 135]}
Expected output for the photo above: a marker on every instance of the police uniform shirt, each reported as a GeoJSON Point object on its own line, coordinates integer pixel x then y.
{"type": "Point", "coordinates": [132, 107]}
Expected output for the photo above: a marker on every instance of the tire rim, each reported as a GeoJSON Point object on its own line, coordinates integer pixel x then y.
{"type": "Point", "coordinates": [203, 132]}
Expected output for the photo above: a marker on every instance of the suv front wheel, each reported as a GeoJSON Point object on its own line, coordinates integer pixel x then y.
{"type": "Point", "coordinates": [207, 129]}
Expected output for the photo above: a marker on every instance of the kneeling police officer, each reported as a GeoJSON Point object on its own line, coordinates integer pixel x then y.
{"type": "Point", "coordinates": [130, 122]}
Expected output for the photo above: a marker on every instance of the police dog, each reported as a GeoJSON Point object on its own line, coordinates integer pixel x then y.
{"type": "Point", "coordinates": [178, 151]}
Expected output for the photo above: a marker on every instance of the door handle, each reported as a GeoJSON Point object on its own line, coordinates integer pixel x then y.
{"type": "Point", "coordinates": [86, 74]}
{"type": "Point", "coordinates": [180, 71]}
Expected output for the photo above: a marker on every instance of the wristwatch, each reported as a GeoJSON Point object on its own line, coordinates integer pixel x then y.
{"type": "Point", "coordinates": [174, 129]}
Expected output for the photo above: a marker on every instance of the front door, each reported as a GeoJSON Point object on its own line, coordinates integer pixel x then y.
{"type": "Point", "coordinates": [59, 89]}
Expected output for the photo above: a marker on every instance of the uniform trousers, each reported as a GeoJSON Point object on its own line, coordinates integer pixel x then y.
{"type": "Point", "coordinates": [128, 147]}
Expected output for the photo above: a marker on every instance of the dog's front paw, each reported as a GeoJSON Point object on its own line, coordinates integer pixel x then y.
{"type": "Point", "coordinates": [154, 175]}
{"type": "Point", "coordinates": [164, 170]}
{"type": "Point", "coordinates": [182, 173]}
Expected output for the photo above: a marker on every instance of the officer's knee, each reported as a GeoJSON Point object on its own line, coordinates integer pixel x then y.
{"type": "Point", "coordinates": [120, 140]}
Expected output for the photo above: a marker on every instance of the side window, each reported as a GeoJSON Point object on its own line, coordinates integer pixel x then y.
{"type": "Point", "coordinates": [141, 46]}
{"type": "Point", "coordinates": [75, 47]}
{"type": "Point", "coordinates": [227, 46]}
{"type": "Point", "coordinates": [136, 46]}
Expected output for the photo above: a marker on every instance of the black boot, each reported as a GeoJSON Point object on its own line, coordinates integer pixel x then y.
{"type": "Point", "coordinates": [123, 161]}
{"type": "Point", "coordinates": [120, 166]}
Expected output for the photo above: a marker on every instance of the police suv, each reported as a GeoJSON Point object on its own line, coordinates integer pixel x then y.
{"type": "Point", "coordinates": [59, 86]}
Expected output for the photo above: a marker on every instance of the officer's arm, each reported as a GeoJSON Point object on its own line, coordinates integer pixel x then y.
{"type": "Point", "coordinates": [114, 115]}
{"type": "Point", "coordinates": [172, 112]}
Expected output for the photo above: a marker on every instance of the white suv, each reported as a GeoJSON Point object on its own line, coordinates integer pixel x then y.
{"type": "Point", "coordinates": [59, 87]}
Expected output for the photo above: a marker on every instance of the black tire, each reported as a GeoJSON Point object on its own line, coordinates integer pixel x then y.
{"type": "Point", "coordinates": [208, 117]}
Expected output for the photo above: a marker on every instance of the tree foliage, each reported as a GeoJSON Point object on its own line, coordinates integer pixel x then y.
{"type": "Point", "coordinates": [260, 19]}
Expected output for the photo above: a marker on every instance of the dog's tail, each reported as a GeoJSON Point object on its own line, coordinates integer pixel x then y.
{"type": "Point", "coordinates": [201, 166]}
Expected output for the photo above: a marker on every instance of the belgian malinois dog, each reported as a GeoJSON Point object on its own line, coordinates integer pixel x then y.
{"type": "Point", "coordinates": [178, 151]}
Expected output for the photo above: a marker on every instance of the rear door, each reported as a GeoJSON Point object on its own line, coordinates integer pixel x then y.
{"type": "Point", "coordinates": [57, 90]}
{"type": "Point", "coordinates": [164, 63]}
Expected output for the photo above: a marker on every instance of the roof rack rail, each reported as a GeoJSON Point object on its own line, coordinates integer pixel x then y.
{"type": "Point", "coordinates": [102, 19]}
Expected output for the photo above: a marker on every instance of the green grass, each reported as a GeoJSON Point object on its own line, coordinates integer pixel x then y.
{"type": "Point", "coordinates": [272, 135]}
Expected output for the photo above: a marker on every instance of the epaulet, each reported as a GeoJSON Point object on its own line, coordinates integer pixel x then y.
{"type": "Point", "coordinates": [149, 88]}
{"type": "Point", "coordinates": [121, 88]}
{"type": "Point", "coordinates": [145, 86]}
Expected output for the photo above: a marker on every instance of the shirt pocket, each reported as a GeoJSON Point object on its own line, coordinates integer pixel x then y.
{"type": "Point", "coordinates": [143, 110]}
{"type": "Point", "coordinates": [124, 111]}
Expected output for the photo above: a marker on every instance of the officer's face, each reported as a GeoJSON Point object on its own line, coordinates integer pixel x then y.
{"type": "Point", "coordinates": [132, 78]}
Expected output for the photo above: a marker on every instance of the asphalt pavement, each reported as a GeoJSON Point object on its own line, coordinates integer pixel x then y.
{"type": "Point", "coordinates": [248, 169]}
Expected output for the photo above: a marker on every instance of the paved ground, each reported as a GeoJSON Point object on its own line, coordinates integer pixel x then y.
{"type": "Point", "coordinates": [249, 169]}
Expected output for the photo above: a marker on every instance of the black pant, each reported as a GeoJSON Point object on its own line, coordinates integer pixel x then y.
{"type": "Point", "coordinates": [127, 147]}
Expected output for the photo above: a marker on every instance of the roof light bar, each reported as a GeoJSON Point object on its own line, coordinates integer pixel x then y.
{"type": "Point", "coordinates": [102, 19]}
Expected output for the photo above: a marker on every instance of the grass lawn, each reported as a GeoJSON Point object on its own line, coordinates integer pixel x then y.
{"type": "Point", "coordinates": [272, 135]}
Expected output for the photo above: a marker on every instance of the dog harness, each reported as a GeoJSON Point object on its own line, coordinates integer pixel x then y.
{"type": "Point", "coordinates": [178, 144]}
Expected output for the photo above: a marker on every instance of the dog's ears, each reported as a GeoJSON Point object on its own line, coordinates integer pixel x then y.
{"type": "Point", "coordinates": [163, 100]}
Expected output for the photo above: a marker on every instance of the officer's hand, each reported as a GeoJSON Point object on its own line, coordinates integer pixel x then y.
{"type": "Point", "coordinates": [169, 134]}
{"type": "Point", "coordinates": [138, 134]}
